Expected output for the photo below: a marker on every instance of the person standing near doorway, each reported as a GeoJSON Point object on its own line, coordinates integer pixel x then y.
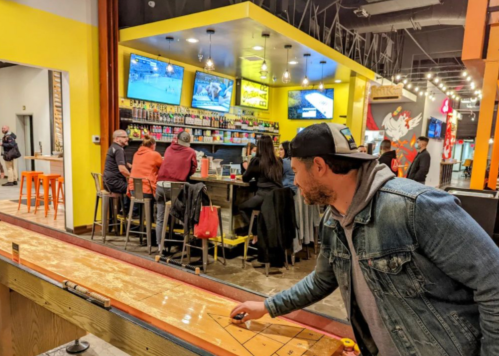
{"type": "Point", "coordinates": [388, 156]}
{"type": "Point", "coordinates": [421, 166]}
{"type": "Point", "coordinates": [10, 154]}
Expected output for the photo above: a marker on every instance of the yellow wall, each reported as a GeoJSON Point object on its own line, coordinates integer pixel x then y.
{"type": "Point", "coordinates": [289, 128]}
{"type": "Point", "coordinates": [37, 38]}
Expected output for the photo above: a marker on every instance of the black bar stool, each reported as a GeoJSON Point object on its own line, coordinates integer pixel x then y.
{"type": "Point", "coordinates": [175, 188]}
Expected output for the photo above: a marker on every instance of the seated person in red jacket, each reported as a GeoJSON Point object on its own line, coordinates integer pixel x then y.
{"type": "Point", "coordinates": [178, 165]}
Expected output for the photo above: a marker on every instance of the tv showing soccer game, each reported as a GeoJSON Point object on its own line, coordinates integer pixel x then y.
{"type": "Point", "coordinates": [310, 104]}
{"type": "Point", "coordinates": [252, 94]}
{"type": "Point", "coordinates": [212, 92]}
{"type": "Point", "coordinates": [436, 128]}
{"type": "Point", "coordinates": [149, 80]}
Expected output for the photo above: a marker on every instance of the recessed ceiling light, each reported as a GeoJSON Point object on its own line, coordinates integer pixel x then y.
{"type": "Point", "coordinates": [293, 62]}
{"type": "Point", "coordinates": [192, 40]}
{"type": "Point", "coordinates": [337, 81]}
{"type": "Point", "coordinates": [257, 48]}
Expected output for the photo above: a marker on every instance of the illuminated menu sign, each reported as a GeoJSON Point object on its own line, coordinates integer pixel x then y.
{"type": "Point", "coordinates": [252, 94]}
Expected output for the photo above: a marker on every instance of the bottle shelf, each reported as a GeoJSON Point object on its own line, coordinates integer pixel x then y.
{"type": "Point", "coordinates": [148, 122]}
{"type": "Point", "coordinates": [201, 143]}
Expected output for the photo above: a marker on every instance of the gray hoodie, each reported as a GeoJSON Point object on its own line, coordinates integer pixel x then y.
{"type": "Point", "coordinates": [371, 177]}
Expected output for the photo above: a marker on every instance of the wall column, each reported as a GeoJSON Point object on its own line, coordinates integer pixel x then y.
{"type": "Point", "coordinates": [357, 107]}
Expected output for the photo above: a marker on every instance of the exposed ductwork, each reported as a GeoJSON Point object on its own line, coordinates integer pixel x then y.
{"type": "Point", "coordinates": [385, 7]}
{"type": "Point", "coordinates": [451, 13]}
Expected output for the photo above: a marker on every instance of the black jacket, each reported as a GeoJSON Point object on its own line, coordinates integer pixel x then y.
{"type": "Point", "coordinates": [276, 226]}
{"type": "Point", "coordinates": [187, 206]}
{"type": "Point", "coordinates": [387, 158]}
{"type": "Point", "coordinates": [8, 143]}
{"type": "Point", "coordinates": [420, 167]}
{"type": "Point", "coordinates": [255, 171]}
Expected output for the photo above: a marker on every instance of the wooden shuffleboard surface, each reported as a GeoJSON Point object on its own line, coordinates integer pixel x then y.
{"type": "Point", "coordinates": [190, 313]}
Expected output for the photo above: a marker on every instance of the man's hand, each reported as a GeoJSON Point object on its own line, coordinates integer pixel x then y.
{"type": "Point", "coordinates": [253, 310]}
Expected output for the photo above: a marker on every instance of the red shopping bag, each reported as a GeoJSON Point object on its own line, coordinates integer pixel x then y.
{"type": "Point", "coordinates": [208, 223]}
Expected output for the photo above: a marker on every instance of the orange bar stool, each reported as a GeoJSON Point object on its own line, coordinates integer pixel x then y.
{"type": "Point", "coordinates": [60, 199]}
{"type": "Point", "coordinates": [31, 176]}
{"type": "Point", "coordinates": [48, 181]}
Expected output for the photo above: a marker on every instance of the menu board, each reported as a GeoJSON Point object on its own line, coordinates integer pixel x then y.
{"type": "Point", "coordinates": [252, 94]}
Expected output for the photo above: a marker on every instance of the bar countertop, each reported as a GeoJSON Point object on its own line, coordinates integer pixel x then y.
{"type": "Point", "coordinates": [212, 178]}
{"type": "Point", "coordinates": [45, 158]}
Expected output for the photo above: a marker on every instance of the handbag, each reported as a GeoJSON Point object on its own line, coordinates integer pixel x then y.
{"type": "Point", "coordinates": [207, 227]}
{"type": "Point", "coordinates": [12, 154]}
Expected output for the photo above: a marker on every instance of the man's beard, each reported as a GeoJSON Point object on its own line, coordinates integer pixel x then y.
{"type": "Point", "coordinates": [319, 195]}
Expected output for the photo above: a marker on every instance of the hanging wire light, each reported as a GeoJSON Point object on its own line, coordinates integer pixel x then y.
{"type": "Point", "coordinates": [169, 67]}
{"type": "Point", "coordinates": [210, 65]}
{"type": "Point", "coordinates": [305, 82]}
{"type": "Point", "coordinates": [321, 84]}
{"type": "Point", "coordinates": [286, 76]}
{"type": "Point", "coordinates": [264, 67]}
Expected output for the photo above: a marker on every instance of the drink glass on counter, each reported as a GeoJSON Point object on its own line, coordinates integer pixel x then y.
{"type": "Point", "coordinates": [233, 172]}
{"type": "Point", "coordinates": [219, 171]}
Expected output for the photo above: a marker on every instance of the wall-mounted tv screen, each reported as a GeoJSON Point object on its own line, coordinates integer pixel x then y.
{"type": "Point", "coordinates": [310, 104]}
{"type": "Point", "coordinates": [149, 80]}
{"type": "Point", "coordinates": [436, 128]}
{"type": "Point", "coordinates": [212, 92]}
{"type": "Point", "coordinates": [251, 94]}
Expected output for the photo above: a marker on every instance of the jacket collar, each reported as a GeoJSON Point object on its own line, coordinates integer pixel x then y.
{"type": "Point", "coordinates": [361, 218]}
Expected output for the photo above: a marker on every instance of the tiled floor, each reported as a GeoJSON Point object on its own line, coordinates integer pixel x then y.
{"type": "Point", "coordinates": [98, 347]}
{"type": "Point", "coordinates": [8, 193]}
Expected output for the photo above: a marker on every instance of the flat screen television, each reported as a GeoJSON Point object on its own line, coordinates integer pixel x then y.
{"type": "Point", "coordinates": [212, 92]}
{"type": "Point", "coordinates": [310, 104]}
{"type": "Point", "coordinates": [149, 80]}
{"type": "Point", "coordinates": [436, 128]}
{"type": "Point", "coordinates": [252, 94]}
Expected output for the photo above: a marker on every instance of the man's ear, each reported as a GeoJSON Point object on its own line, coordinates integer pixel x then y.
{"type": "Point", "coordinates": [319, 166]}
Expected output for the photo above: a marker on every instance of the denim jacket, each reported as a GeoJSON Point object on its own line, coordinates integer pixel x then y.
{"type": "Point", "coordinates": [433, 271]}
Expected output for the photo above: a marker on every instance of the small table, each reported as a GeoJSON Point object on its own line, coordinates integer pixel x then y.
{"type": "Point", "coordinates": [56, 163]}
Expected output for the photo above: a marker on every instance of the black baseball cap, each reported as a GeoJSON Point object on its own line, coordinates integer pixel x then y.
{"type": "Point", "coordinates": [327, 139]}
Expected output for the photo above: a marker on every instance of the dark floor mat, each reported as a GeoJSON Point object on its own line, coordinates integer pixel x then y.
{"type": "Point", "coordinates": [25, 202]}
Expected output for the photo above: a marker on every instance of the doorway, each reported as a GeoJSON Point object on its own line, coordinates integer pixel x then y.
{"type": "Point", "coordinates": [25, 142]}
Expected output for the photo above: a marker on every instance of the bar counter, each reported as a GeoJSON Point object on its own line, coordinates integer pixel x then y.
{"type": "Point", "coordinates": [228, 194]}
{"type": "Point", "coordinates": [56, 163]}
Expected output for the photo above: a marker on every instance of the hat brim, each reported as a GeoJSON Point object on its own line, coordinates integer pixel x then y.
{"type": "Point", "coordinates": [357, 155]}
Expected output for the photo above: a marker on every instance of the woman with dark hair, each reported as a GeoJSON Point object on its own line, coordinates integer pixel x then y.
{"type": "Point", "coordinates": [288, 176]}
{"type": "Point", "coordinates": [249, 154]}
{"type": "Point", "coordinates": [266, 170]}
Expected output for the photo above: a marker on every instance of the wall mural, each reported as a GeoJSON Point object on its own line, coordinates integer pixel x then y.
{"type": "Point", "coordinates": [402, 123]}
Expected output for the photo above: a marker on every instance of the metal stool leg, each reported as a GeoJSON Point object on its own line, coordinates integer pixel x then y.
{"type": "Point", "coordinates": [286, 264]}
{"type": "Point", "coordinates": [129, 223]}
{"type": "Point", "coordinates": [78, 347]}
{"type": "Point", "coordinates": [250, 236]}
{"type": "Point", "coordinates": [205, 255]}
{"type": "Point", "coordinates": [267, 268]}
{"type": "Point", "coordinates": [184, 248]}
{"type": "Point", "coordinates": [147, 204]}
{"type": "Point", "coordinates": [116, 203]}
{"type": "Point", "coordinates": [95, 216]}
{"type": "Point", "coordinates": [222, 234]}
{"type": "Point", "coordinates": [104, 219]}
{"type": "Point", "coordinates": [161, 247]}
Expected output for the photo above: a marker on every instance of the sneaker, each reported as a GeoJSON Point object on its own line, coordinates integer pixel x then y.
{"type": "Point", "coordinates": [8, 184]}
{"type": "Point", "coordinates": [15, 183]}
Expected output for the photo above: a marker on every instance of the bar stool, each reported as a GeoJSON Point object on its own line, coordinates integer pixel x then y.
{"type": "Point", "coordinates": [31, 176]}
{"type": "Point", "coordinates": [175, 189]}
{"type": "Point", "coordinates": [204, 243]}
{"type": "Point", "coordinates": [59, 192]}
{"type": "Point", "coordinates": [139, 198]}
{"type": "Point", "coordinates": [49, 182]}
{"type": "Point", "coordinates": [256, 214]}
{"type": "Point", "coordinates": [106, 196]}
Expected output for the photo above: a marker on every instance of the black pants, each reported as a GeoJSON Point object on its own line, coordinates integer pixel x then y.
{"type": "Point", "coordinates": [253, 203]}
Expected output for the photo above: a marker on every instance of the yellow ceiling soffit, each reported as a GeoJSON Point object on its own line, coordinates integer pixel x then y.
{"type": "Point", "coordinates": [236, 12]}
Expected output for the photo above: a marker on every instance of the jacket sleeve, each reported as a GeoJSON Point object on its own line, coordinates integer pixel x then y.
{"type": "Point", "coordinates": [253, 170]}
{"type": "Point", "coordinates": [313, 288]}
{"type": "Point", "coordinates": [9, 143]}
{"type": "Point", "coordinates": [457, 245]}
{"type": "Point", "coordinates": [158, 160]}
{"type": "Point", "coordinates": [194, 165]}
{"type": "Point", "coordinates": [423, 168]}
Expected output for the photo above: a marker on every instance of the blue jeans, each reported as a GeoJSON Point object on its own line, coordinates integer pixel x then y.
{"type": "Point", "coordinates": [163, 195]}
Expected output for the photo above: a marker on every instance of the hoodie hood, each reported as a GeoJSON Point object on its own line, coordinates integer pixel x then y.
{"type": "Point", "coordinates": [371, 177]}
{"type": "Point", "coordinates": [390, 154]}
{"type": "Point", "coordinates": [11, 134]}
{"type": "Point", "coordinates": [143, 150]}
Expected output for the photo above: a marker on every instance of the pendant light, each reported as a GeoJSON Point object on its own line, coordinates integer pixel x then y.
{"type": "Point", "coordinates": [321, 84]}
{"type": "Point", "coordinates": [210, 65]}
{"type": "Point", "coordinates": [169, 68]}
{"type": "Point", "coordinates": [264, 67]}
{"type": "Point", "coordinates": [286, 76]}
{"type": "Point", "coordinates": [305, 82]}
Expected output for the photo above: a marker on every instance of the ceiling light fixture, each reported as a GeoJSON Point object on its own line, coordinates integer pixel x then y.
{"type": "Point", "coordinates": [444, 88]}
{"type": "Point", "coordinates": [398, 76]}
{"type": "Point", "coordinates": [436, 80]}
{"type": "Point", "coordinates": [192, 40]}
{"type": "Point", "coordinates": [409, 86]}
{"type": "Point", "coordinates": [429, 75]}
{"type": "Point", "coordinates": [465, 73]}
{"type": "Point", "coordinates": [405, 81]}
{"type": "Point", "coordinates": [337, 81]}
{"type": "Point", "coordinates": [169, 68]}
{"type": "Point", "coordinates": [421, 93]}
{"type": "Point", "coordinates": [264, 66]}
{"type": "Point", "coordinates": [426, 94]}
{"type": "Point", "coordinates": [321, 84]}
{"type": "Point", "coordinates": [472, 85]}
{"type": "Point", "coordinates": [468, 78]}
{"type": "Point", "coordinates": [257, 48]}
{"type": "Point", "coordinates": [416, 89]}
{"type": "Point", "coordinates": [286, 76]}
{"type": "Point", "coordinates": [305, 82]}
{"type": "Point", "coordinates": [293, 62]}
{"type": "Point", "coordinates": [210, 65]}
